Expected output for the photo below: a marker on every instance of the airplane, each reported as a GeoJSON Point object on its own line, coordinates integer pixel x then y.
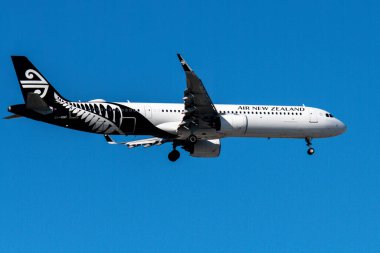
{"type": "Point", "coordinates": [197, 125]}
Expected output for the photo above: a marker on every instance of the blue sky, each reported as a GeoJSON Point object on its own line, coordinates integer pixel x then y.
{"type": "Point", "coordinates": [68, 191]}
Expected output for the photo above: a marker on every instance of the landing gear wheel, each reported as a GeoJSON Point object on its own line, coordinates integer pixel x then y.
{"type": "Point", "coordinates": [192, 138]}
{"type": "Point", "coordinates": [310, 151]}
{"type": "Point", "coordinates": [174, 155]}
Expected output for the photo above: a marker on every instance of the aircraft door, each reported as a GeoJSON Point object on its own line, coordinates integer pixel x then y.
{"type": "Point", "coordinates": [313, 116]}
{"type": "Point", "coordinates": [148, 112]}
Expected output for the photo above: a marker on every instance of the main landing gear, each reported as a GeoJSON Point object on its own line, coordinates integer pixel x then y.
{"type": "Point", "coordinates": [174, 155]}
{"type": "Point", "coordinates": [310, 150]}
{"type": "Point", "coordinates": [192, 139]}
{"type": "Point", "coordinates": [187, 145]}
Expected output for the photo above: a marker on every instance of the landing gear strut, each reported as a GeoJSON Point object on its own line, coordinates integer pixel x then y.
{"type": "Point", "coordinates": [310, 150]}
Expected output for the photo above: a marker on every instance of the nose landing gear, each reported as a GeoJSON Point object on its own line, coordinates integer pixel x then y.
{"type": "Point", "coordinates": [310, 150]}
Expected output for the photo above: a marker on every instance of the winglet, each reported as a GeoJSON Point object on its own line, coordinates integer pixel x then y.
{"type": "Point", "coordinates": [109, 139]}
{"type": "Point", "coordinates": [184, 64]}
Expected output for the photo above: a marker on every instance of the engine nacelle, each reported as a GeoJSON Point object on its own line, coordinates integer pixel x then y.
{"type": "Point", "coordinates": [206, 148]}
{"type": "Point", "coordinates": [233, 125]}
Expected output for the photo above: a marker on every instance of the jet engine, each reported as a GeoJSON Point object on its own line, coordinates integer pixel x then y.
{"type": "Point", "coordinates": [234, 125]}
{"type": "Point", "coordinates": [206, 148]}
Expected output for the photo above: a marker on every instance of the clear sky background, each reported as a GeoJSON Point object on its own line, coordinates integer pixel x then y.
{"type": "Point", "coordinates": [69, 191]}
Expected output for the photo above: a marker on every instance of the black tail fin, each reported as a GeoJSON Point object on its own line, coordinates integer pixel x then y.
{"type": "Point", "coordinates": [32, 81]}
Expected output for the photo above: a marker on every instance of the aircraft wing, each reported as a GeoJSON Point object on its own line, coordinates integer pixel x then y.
{"type": "Point", "coordinates": [145, 142]}
{"type": "Point", "coordinates": [200, 111]}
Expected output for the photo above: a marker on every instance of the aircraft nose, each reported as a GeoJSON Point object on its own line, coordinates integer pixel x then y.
{"type": "Point", "coordinates": [341, 126]}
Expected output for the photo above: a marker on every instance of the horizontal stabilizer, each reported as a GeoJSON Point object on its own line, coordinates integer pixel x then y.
{"type": "Point", "coordinates": [14, 116]}
{"type": "Point", "coordinates": [35, 103]}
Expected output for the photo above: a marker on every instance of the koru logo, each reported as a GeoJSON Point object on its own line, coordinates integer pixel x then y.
{"type": "Point", "coordinates": [41, 86]}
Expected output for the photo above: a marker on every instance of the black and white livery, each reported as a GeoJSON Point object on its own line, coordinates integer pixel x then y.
{"type": "Point", "coordinates": [197, 125]}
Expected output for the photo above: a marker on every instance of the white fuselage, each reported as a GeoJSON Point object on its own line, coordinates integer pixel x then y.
{"type": "Point", "coordinates": [250, 120]}
{"type": "Point", "coordinates": [196, 125]}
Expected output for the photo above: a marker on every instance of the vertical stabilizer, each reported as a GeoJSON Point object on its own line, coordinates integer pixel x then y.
{"type": "Point", "coordinates": [32, 81]}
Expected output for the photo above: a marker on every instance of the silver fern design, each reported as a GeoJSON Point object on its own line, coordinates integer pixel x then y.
{"type": "Point", "coordinates": [100, 117]}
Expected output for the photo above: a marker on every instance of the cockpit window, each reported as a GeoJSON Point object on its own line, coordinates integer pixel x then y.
{"type": "Point", "coordinates": [329, 115]}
